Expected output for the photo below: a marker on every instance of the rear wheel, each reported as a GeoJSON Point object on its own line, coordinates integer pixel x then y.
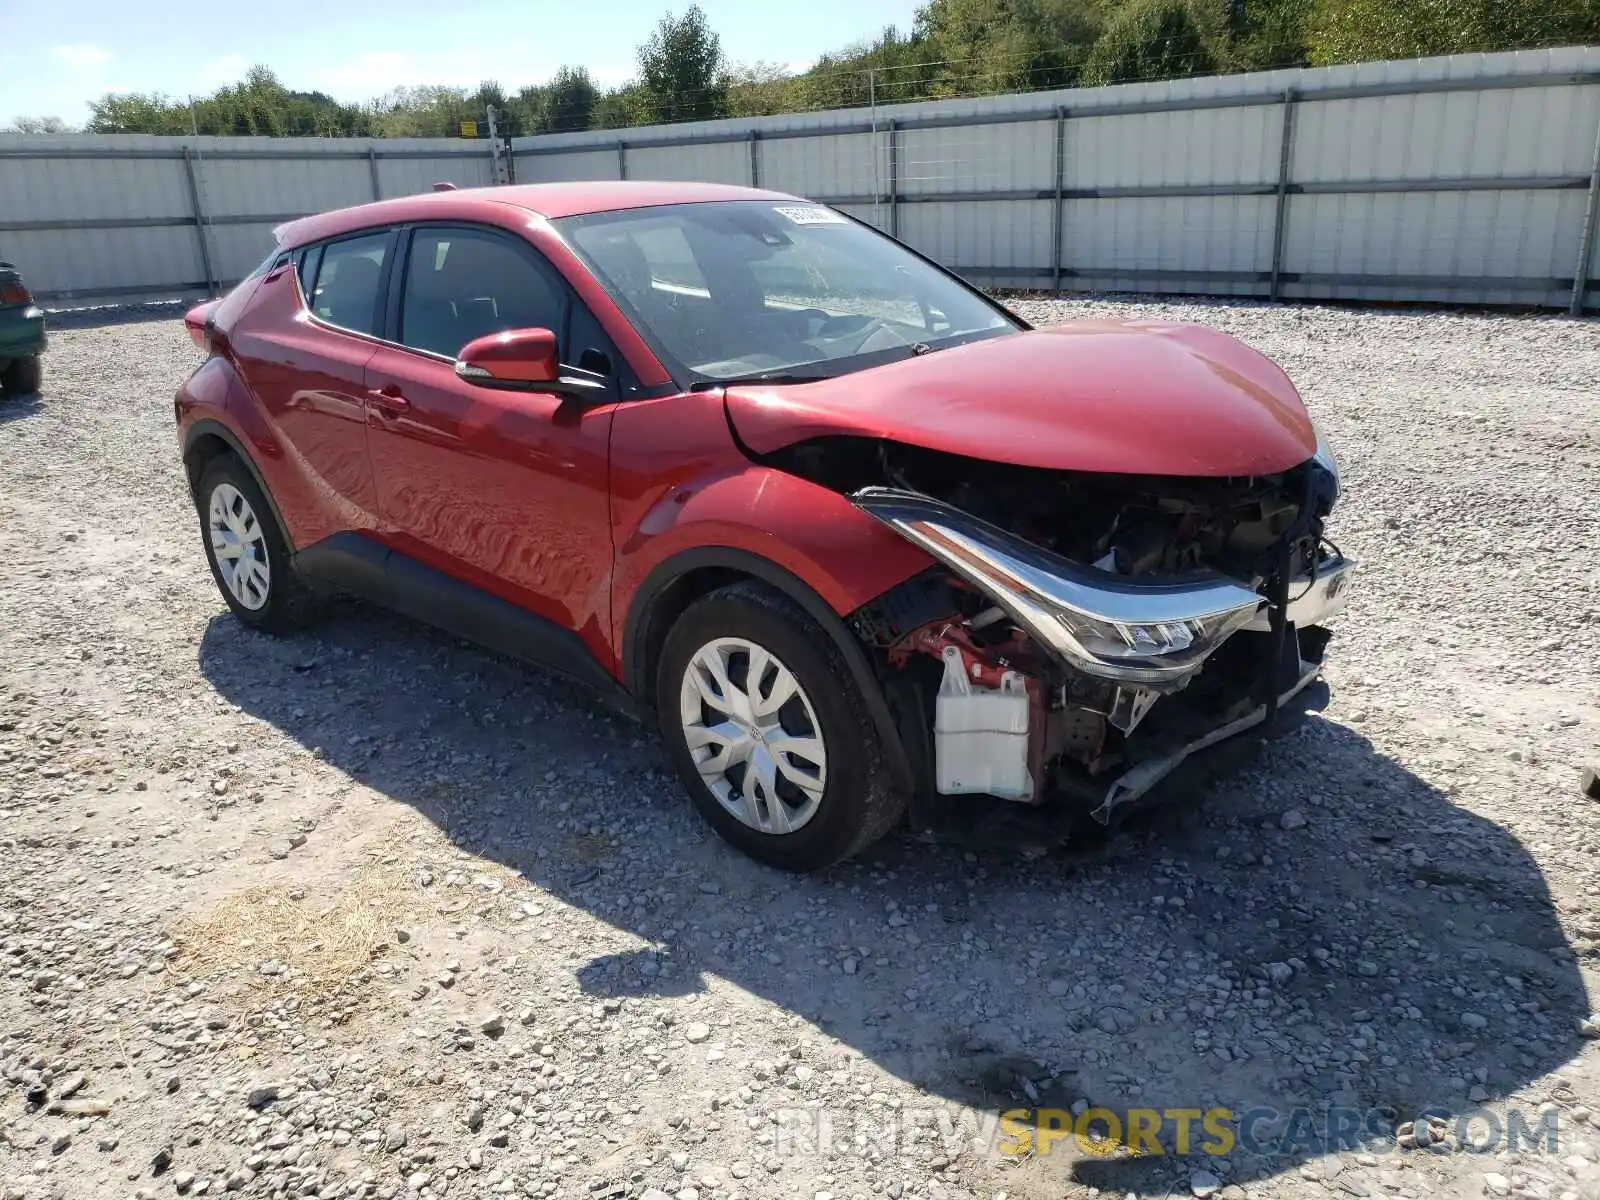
{"type": "Point", "coordinates": [23, 376]}
{"type": "Point", "coordinates": [247, 551]}
{"type": "Point", "coordinates": [769, 731]}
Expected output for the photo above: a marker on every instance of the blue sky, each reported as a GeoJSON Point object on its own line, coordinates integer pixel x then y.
{"type": "Point", "coordinates": [57, 55]}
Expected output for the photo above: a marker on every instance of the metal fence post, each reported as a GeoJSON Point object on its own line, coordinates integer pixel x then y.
{"type": "Point", "coordinates": [755, 158]}
{"type": "Point", "coordinates": [499, 159]}
{"type": "Point", "coordinates": [1058, 214]}
{"type": "Point", "coordinates": [1591, 217]}
{"type": "Point", "coordinates": [622, 160]}
{"type": "Point", "coordinates": [1285, 157]}
{"type": "Point", "coordinates": [372, 167]}
{"type": "Point", "coordinates": [894, 184]}
{"type": "Point", "coordinates": [199, 212]}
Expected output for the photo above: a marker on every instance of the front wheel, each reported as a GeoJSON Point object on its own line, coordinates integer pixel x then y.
{"type": "Point", "coordinates": [769, 731]}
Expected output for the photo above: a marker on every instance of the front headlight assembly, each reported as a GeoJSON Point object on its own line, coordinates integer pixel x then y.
{"type": "Point", "coordinates": [1153, 635]}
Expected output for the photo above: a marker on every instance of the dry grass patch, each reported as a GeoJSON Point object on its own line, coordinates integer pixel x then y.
{"type": "Point", "coordinates": [314, 944]}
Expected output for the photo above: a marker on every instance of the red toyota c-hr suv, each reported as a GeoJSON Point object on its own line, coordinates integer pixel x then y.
{"type": "Point", "coordinates": [859, 538]}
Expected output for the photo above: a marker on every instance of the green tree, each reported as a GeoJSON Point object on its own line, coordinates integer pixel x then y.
{"type": "Point", "coordinates": [570, 101]}
{"type": "Point", "coordinates": [258, 104]}
{"type": "Point", "coordinates": [153, 113]}
{"type": "Point", "coordinates": [1150, 39]}
{"type": "Point", "coordinates": [681, 69]}
{"type": "Point", "coordinates": [508, 119]}
{"type": "Point", "coordinates": [893, 68]}
{"type": "Point", "coordinates": [761, 89]}
{"type": "Point", "coordinates": [622, 107]}
{"type": "Point", "coordinates": [1358, 30]}
{"type": "Point", "coordinates": [1266, 35]}
{"type": "Point", "coordinates": [954, 48]}
{"type": "Point", "coordinates": [1008, 45]}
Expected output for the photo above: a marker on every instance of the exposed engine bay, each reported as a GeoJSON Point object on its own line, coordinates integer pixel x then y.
{"type": "Point", "coordinates": [1085, 633]}
{"type": "Point", "coordinates": [1129, 525]}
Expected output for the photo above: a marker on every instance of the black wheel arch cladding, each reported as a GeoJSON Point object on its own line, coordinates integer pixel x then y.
{"type": "Point", "coordinates": [195, 442]}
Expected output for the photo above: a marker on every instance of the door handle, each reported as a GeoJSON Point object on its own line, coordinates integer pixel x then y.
{"type": "Point", "coordinates": [388, 399]}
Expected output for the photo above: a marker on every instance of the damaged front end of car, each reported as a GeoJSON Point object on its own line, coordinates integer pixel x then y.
{"type": "Point", "coordinates": [1083, 635]}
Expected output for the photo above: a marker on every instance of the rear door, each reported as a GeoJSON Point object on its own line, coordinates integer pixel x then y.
{"type": "Point", "coordinates": [506, 491]}
{"type": "Point", "coordinates": [304, 349]}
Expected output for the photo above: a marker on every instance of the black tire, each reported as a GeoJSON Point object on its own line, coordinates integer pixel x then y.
{"type": "Point", "coordinates": [859, 801]}
{"type": "Point", "coordinates": [23, 376]}
{"type": "Point", "coordinates": [288, 601]}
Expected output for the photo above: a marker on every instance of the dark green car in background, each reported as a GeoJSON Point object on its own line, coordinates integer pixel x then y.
{"type": "Point", "coordinates": [21, 334]}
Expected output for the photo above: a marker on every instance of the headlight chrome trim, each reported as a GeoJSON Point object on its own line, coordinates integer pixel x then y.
{"type": "Point", "coordinates": [1057, 600]}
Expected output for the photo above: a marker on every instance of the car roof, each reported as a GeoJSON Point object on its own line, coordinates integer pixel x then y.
{"type": "Point", "coordinates": [537, 199]}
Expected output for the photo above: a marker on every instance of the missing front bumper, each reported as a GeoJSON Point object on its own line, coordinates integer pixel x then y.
{"type": "Point", "coordinates": [1314, 597]}
{"type": "Point", "coordinates": [983, 823]}
{"type": "Point", "coordinates": [1139, 779]}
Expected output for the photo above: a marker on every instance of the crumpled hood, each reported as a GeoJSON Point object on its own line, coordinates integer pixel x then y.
{"type": "Point", "coordinates": [1126, 397]}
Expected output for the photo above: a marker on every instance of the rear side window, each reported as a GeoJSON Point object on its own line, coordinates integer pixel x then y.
{"type": "Point", "coordinates": [462, 284]}
{"type": "Point", "coordinates": [349, 279]}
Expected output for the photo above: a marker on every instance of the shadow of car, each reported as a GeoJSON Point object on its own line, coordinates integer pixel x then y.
{"type": "Point", "coordinates": [1325, 930]}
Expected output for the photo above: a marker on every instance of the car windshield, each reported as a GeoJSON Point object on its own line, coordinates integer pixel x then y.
{"type": "Point", "coordinates": [789, 289]}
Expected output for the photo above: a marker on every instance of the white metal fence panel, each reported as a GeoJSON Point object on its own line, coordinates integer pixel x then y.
{"type": "Point", "coordinates": [834, 164]}
{"type": "Point", "coordinates": [102, 219]}
{"type": "Point", "coordinates": [1197, 146]}
{"type": "Point", "coordinates": [563, 168]}
{"type": "Point", "coordinates": [113, 263]}
{"type": "Point", "coordinates": [1469, 179]}
{"type": "Point", "coordinates": [999, 241]}
{"type": "Point", "coordinates": [1193, 236]}
{"type": "Point", "coordinates": [1460, 179]}
{"type": "Point", "coordinates": [976, 158]}
{"type": "Point", "coordinates": [91, 189]}
{"type": "Point", "coordinates": [728, 162]}
{"type": "Point", "coordinates": [271, 188]}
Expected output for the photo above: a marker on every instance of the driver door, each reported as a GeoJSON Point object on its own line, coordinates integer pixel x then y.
{"type": "Point", "coordinates": [505, 491]}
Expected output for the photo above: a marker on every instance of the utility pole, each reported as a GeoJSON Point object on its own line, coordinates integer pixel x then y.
{"type": "Point", "coordinates": [498, 150]}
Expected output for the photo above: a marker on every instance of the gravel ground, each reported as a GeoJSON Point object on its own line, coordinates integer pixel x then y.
{"type": "Point", "coordinates": [367, 912]}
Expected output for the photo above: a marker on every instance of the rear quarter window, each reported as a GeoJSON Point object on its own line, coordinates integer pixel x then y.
{"type": "Point", "coordinates": [306, 270]}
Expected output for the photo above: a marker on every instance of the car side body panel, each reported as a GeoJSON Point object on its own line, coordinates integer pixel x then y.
{"type": "Point", "coordinates": [303, 388]}
{"type": "Point", "coordinates": [680, 482]}
{"type": "Point", "coordinates": [504, 491]}
{"type": "Point", "coordinates": [213, 403]}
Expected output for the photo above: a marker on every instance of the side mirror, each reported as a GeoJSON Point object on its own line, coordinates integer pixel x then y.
{"type": "Point", "coordinates": [521, 360]}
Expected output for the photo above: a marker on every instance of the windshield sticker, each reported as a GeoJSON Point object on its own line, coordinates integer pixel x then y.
{"type": "Point", "coordinates": [810, 214]}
